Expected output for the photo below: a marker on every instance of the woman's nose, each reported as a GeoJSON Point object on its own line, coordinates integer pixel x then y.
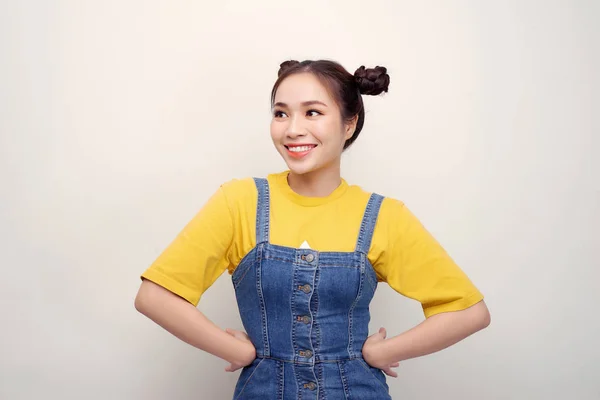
{"type": "Point", "coordinates": [295, 128]}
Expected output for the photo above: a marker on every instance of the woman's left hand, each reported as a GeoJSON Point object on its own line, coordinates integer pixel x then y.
{"type": "Point", "coordinates": [373, 354]}
{"type": "Point", "coordinates": [247, 357]}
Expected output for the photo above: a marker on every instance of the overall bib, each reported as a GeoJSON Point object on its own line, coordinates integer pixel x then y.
{"type": "Point", "coordinates": [307, 314]}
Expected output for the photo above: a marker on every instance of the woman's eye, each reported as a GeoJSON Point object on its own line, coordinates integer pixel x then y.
{"type": "Point", "coordinates": [279, 114]}
{"type": "Point", "coordinates": [313, 113]}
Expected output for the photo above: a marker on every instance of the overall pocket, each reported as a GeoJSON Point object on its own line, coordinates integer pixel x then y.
{"type": "Point", "coordinates": [364, 382]}
{"type": "Point", "coordinates": [375, 373]}
{"type": "Point", "coordinates": [257, 381]}
{"type": "Point", "coordinates": [246, 376]}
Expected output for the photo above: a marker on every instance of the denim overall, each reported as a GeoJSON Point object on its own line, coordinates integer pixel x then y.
{"type": "Point", "coordinates": [307, 314]}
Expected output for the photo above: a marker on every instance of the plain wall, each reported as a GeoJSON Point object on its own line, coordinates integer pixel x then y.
{"type": "Point", "coordinates": [120, 118]}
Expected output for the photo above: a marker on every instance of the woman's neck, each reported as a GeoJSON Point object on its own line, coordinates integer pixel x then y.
{"type": "Point", "coordinates": [320, 183]}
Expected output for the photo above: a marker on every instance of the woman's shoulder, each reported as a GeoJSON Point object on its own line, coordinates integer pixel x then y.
{"type": "Point", "coordinates": [239, 189]}
{"type": "Point", "coordinates": [389, 204]}
{"type": "Point", "coordinates": [243, 189]}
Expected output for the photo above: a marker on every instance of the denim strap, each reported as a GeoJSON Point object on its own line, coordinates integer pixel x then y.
{"type": "Point", "coordinates": [368, 223]}
{"type": "Point", "coordinates": [262, 211]}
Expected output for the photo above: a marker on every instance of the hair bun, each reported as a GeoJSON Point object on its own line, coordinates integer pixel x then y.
{"type": "Point", "coordinates": [286, 65]}
{"type": "Point", "coordinates": [372, 81]}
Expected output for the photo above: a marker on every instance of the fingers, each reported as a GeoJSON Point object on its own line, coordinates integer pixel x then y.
{"type": "Point", "coordinates": [390, 372]}
{"type": "Point", "coordinates": [231, 368]}
{"type": "Point", "coordinates": [383, 332]}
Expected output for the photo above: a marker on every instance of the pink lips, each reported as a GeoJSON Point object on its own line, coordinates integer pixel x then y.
{"type": "Point", "coordinates": [299, 154]}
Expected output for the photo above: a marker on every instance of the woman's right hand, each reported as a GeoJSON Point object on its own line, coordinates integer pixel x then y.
{"type": "Point", "coordinates": [247, 356]}
{"type": "Point", "coordinates": [373, 356]}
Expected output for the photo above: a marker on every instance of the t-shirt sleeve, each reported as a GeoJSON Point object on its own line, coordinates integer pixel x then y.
{"type": "Point", "coordinates": [199, 253]}
{"type": "Point", "coordinates": [416, 266]}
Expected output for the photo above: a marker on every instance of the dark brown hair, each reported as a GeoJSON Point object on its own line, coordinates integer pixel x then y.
{"type": "Point", "coordinates": [346, 89]}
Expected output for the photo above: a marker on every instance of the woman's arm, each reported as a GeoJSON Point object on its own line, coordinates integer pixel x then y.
{"type": "Point", "coordinates": [434, 334]}
{"type": "Point", "coordinates": [186, 322]}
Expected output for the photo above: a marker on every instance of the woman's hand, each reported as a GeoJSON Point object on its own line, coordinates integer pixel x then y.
{"type": "Point", "coordinates": [373, 354]}
{"type": "Point", "coordinates": [247, 357]}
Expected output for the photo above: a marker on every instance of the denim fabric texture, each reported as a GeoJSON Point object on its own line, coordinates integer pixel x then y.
{"type": "Point", "coordinates": [307, 314]}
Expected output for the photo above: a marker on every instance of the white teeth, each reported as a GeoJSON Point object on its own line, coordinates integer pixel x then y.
{"type": "Point", "coordinates": [298, 149]}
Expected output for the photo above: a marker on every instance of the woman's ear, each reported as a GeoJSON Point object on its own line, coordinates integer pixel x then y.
{"type": "Point", "coordinates": [350, 127]}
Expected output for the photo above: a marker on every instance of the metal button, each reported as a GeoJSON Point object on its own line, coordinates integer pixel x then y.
{"type": "Point", "coordinates": [310, 386]}
{"type": "Point", "coordinates": [310, 257]}
{"type": "Point", "coordinates": [305, 353]}
{"type": "Point", "coordinates": [305, 288]}
{"type": "Point", "coordinates": [303, 318]}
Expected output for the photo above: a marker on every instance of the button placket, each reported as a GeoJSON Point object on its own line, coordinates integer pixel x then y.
{"type": "Point", "coordinates": [304, 278]}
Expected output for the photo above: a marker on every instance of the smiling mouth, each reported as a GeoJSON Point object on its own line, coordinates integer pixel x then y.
{"type": "Point", "coordinates": [299, 151]}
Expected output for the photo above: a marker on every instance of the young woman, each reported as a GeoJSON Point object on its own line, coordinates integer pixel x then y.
{"type": "Point", "coordinates": [306, 251]}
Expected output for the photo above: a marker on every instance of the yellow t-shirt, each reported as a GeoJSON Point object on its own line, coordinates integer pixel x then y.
{"type": "Point", "coordinates": [402, 252]}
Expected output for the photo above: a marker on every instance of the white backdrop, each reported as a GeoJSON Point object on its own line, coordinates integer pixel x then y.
{"type": "Point", "coordinates": [119, 119]}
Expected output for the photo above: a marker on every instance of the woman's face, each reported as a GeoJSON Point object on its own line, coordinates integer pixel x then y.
{"type": "Point", "coordinates": [307, 127]}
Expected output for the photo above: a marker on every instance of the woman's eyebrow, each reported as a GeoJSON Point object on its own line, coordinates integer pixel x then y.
{"type": "Point", "coordinates": [304, 104]}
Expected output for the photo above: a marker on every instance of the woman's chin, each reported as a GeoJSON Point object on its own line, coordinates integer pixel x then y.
{"type": "Point", "coordinates": [300, 169]}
